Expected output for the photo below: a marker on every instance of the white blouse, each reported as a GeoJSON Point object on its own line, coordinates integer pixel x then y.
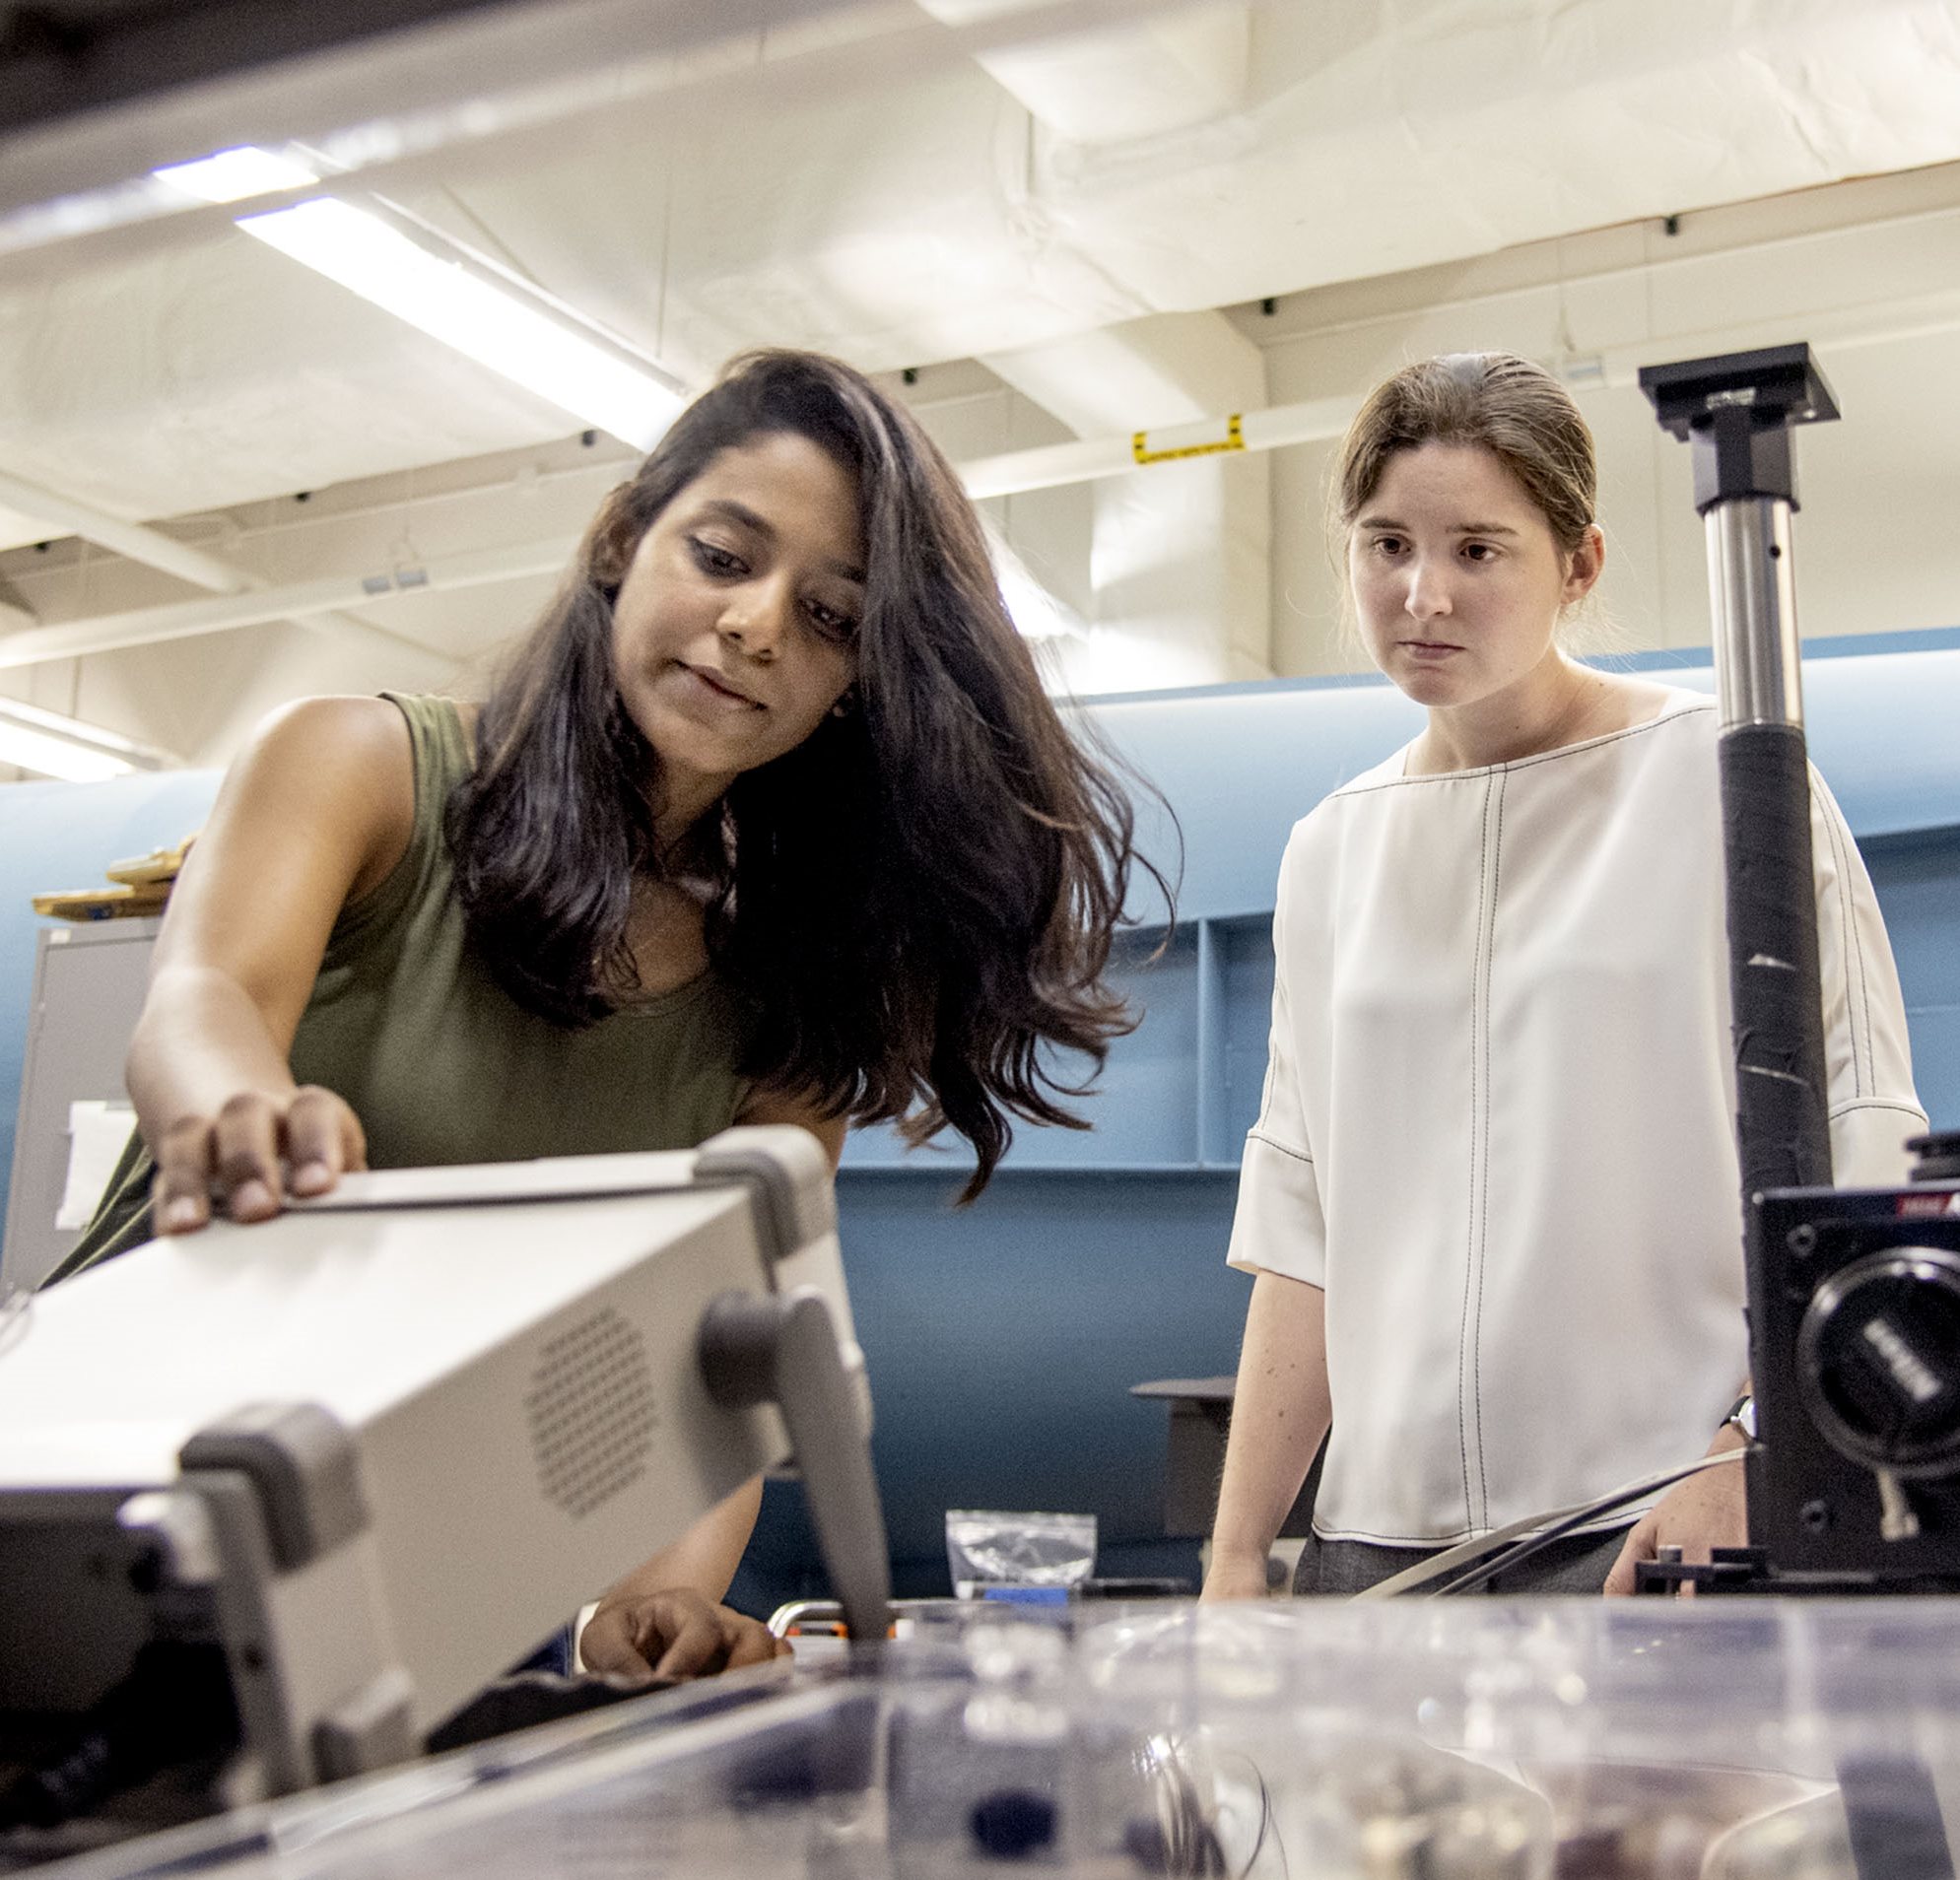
{"type": "Point", "coordinates": [1498, 1121]}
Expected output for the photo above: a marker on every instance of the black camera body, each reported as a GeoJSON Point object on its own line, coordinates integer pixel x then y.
{"type": "Point", "coordinates": [1854, 1347]}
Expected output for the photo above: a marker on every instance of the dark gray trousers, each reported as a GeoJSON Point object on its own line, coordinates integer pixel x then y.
{"type": "Point", "coordinates": [1579, 1564]}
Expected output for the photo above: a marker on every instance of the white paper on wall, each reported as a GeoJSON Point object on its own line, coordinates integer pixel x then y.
{"type": "Point", "coordinates": [97, 1133]}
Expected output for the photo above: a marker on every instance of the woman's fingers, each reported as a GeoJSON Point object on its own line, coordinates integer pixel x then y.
{"type": "Point", "coordinates": [356, 1139]}
{"type": "Point", "coordinates": [669, 1634]}
{"type": "Point", "coordinates": [750, 1642]}
{"type": "Point", "coordinates": [1640, 1545]}
{"type": "Point", "coordinates": [711, 1639]}
{"type": "Point", "coordinates": [696, 1642]}
{"type": "Point", "coordinates": [258, 1149]}
{"type": "Point", "coordinates": [323, 1140]}
{"type": "Point", "coordinates": [246, 1131]}
{"type": "Point", "coordinates": [180, 1195]}
{"type": "Point", "coordinates": [673, 1633]}
{"type": "Point", "coordinates": [609, 1644]}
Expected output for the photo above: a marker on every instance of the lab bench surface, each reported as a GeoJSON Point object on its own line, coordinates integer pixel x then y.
{"type": "Point", "coordinates": [1733, 1739]}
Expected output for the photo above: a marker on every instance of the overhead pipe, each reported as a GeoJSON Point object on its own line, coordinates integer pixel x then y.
{"type": "Point", "coordinates": [1320, 420]}
{"type": "Point", "coordinates": [303, 602]}
{"type": "Point", "coordinates": [67, 515]}
{"type": "Point", "coordinates": [153, 549]}
{"type": "Point", "coordinates": [1086, 459]}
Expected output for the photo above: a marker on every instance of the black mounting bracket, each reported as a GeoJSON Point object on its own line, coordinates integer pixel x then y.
{"type": "Point", "coordinates": [1737, 410]}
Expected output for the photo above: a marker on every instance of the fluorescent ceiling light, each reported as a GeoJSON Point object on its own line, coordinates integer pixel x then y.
{"type": "Point", "coordinates": [445, 290]}
{"type": "Point", "coordinates": [45, 756]}
{"type": "Point", "coordinates": [50, 744]}
{"type": "Point", "coordinates": [234, 175]}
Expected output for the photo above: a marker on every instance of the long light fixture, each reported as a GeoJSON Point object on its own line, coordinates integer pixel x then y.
{"type": "Point", "coordinates": [465, 300]}
{"type": "Point", "coordinates": [448, 290]}
{"type": "Point", "coordinates": [49, 745]}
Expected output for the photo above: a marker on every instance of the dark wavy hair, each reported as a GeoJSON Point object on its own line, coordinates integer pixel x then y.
{"type": "Point", "coordinates": [917, 903]}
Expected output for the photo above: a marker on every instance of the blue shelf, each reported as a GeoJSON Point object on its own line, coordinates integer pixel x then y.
{"type": "Point", "coordinates": [1178, 1094]}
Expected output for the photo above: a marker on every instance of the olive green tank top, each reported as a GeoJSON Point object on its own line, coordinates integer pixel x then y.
{"type": "Point", "coordinates": [441, 1065]}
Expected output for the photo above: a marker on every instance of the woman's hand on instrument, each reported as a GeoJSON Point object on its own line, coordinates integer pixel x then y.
{"type": "Point", "coordinates": [260, 1149]}
{"type": "Point", "coordinates": [674, 1633]}
{"type": "Point", "coordinates": [1709, 1510]}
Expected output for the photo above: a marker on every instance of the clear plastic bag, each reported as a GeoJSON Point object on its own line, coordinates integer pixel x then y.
{"type": "Point", "coordinates": [990, 1547]}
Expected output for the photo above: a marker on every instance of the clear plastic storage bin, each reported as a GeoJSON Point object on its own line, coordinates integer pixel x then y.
{"type": "Point", "coordinates": [1733, 1739]}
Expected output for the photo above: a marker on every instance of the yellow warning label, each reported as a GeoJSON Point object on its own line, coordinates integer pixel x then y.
{"type": "Point", "coordinates": [1234, 440]}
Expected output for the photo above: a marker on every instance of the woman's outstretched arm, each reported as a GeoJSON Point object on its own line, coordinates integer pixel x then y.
{"type": "Point", "coordinates": [315, 812]}
{"type": "Point", "coordinates": [1280, 1412]}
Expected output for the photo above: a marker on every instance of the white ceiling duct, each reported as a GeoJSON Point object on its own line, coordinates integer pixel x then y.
{"type": "Point", "coordinates": [1120, 83]}
{"type": "Point", "coordinates": [49, 512]}
{"type": "Point", "coordinates": [1180, 545]}
{"type": "Point", "coordinates": [112, 91]}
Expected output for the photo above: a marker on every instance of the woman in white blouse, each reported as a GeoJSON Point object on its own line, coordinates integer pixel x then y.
{"type": "Point", "coordinates": [1491, 1202]}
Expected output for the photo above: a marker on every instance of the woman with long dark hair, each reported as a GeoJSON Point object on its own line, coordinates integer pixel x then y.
{"type": "Point", "coordinates": [770, 820]}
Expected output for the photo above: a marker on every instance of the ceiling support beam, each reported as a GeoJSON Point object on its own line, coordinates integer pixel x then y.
{"type": "Point", "coordinates": [69, 515]}
{"type": "Point", "coordinates": [1135, 78]}
{"type": "Point", "coordinates": [1317, 420]}
{"type": "Point", "coordinates": [303, 602]}
{"type": "Point", "coordinates": [1089, 459]}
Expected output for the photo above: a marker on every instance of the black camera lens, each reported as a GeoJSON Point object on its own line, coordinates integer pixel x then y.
{"type": "Point", "coordinates": [1878, 1360]}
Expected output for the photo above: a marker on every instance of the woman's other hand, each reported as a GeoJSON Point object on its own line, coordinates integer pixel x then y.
{"type": "Point", "coordinates": [662, 1621]}
{"type": "Point", "coordinates": [1281, 1408]}
{"type": "Point", "coordinates": [675, 1632]}
{"type": "Point", "coordinates": [260, 1150]}
{"type": "Point", "coordinates": [1709, 1510]}
{"type": "Point", "coordinates": [1235, 1577]}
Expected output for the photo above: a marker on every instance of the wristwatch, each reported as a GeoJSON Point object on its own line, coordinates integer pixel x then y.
{"type": "Point", "coordinates": [1742, 1413]}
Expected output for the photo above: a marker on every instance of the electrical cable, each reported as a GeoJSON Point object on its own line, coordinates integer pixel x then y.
{"type": "Point", "coordinates": [1415, 1578]}
{"type": "Point", "coordinates": [1524, 1550]}
{"type": "Point", "coordinates": [1435, 1566]}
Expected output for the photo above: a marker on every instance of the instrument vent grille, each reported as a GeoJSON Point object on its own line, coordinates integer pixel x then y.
{"type": "Point", "coordinates": [591, 1412]}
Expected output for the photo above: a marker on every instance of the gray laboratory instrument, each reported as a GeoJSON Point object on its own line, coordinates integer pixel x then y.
{"type": "Point", "coordinates": [276, 1501]}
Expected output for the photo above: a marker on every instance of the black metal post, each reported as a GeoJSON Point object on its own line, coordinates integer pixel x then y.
{"type": "Point", "coordinates": [1736, 413]}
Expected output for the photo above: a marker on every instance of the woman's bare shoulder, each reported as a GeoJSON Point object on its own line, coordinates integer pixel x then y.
{"type": "Point", "coordinates": [344, 764]}
{"type": "Point", "coordinates": [333, 723]}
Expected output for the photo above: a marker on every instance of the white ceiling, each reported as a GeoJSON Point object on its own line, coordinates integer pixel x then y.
{"type": "Point", "coordinates": [908, 186]}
